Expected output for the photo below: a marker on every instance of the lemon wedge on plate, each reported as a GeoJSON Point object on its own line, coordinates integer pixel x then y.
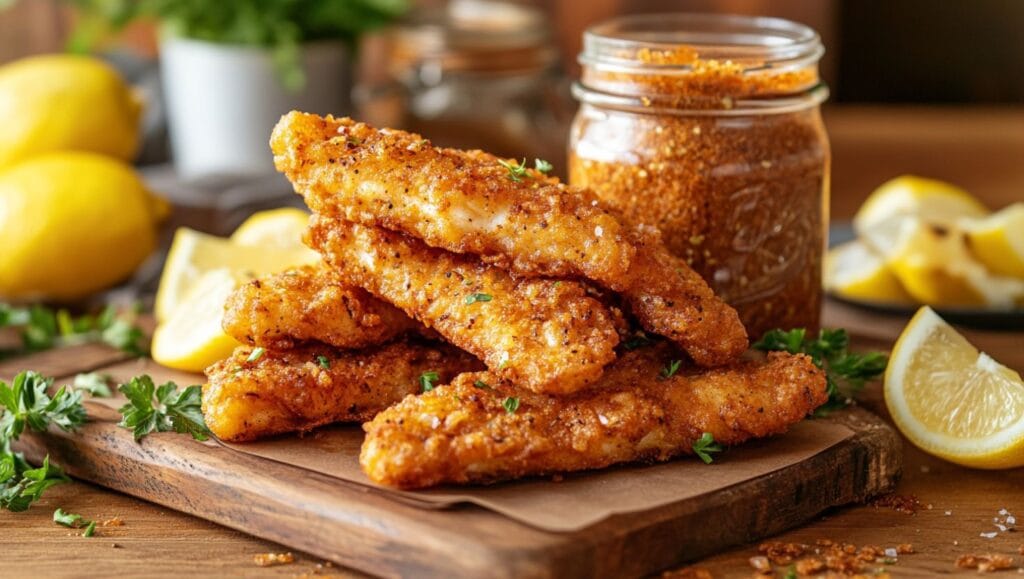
{"type": "Point", "coordinates": [192, 338]}
{"type": "Point", "coordinates": [879, 219]}
{"type": "Point", "coordinates": [998, 240]}
{"type": "Point", "coordinates": [934, 265]}
{"type": "Point", "coordinates": [854, 271]}
{"type": "Point", "coordinates": [281, 228]}
{"type": "Point", "coordinates": [193, 253]}
{"type": "Point", "coordinates": [952, 400]}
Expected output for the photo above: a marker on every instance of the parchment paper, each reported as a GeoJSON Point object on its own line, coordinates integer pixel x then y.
{"type": "Point", "coordinates": [579, 500]}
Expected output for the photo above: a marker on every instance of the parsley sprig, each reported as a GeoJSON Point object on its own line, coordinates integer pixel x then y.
{"type": "Point", "coordinates": [704, 446]}
{"type": "Point", "coordinates": [162, 409]}
{"type": "Point", "coordinates": [846, 372]}
{"type": "Point", "coordinates": [43, 328]}
{"type": "Point", "coordinates": [74, 521]}
{"type": "Point", "coordinates": [518, 171]}
{"type": "Point", "coordinates": [25, 402]}
{"type": "Point", "coordinates": [428, 380]}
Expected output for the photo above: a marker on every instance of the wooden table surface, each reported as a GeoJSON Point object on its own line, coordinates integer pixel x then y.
{"type": "Point", "coordinates": [978, 149]}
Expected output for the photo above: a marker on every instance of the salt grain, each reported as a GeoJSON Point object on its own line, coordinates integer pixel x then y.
{"type": "Point", "coordinates": [991, 535]}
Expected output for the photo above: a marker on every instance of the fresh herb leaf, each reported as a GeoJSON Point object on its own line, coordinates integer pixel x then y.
{"type": "Point", "coordinates": [704, 446]}
{"type": "Point", "coordinates": [481, 385]}
{"type": "Point", "coordinates": [473, 298]}
{"type": "Point", "coordinates": [66, 519]}
{"type": "Point", "coordinates": [94, 383]}
{"type": "Point", "coordinates": [791, 573]}
{"type": "Point", "coordinates": [671, 369]}
{"type": "Point", "coordinates": [256, 354]}
{"type": "Point", "coordinates": [846, 372]}
{"type": "Point", "coordinates": [516, 171]}
{"type": "Point", "coordinates": [90, 529]}
{"type": "Point", "coordinates": [428, 380]}
{"type": "Point", "coordinates": [43, 328]}
{"type": "Point", "coordinates": [511, 404]}
{"type": "Point", "coordinates": [323, 361]}
{"type": "Point", "coordinates": [162, 409]}
{"type": "Point", "coordinates": [638, 340]}
{"type": "Point", "coordinates": [21, 485]}
{"type": "Point", "coordinates": [542, 166]}
{"type": "Point", "coordinates": [26, 402]}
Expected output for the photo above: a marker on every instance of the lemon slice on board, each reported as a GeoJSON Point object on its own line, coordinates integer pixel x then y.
{"type": "Point", "coordinates": [192, 338]}
{"type": "Point", "coordinates": [281, 228]}
{"type": "Point", "coordinates": [952, 400]}
{"type": "Point", "coordinates": [879, 219]}
{"type": "Point", "coordinates": [193, 253]}
{"type": "Point", "coordinates": [998, 240]}
{"type": "Point", "coordinates": [853, 270]}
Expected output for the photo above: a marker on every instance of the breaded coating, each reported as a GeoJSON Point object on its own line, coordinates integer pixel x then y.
{"type": "Point", "coordinates": [462, 201]}
{"type": "Point", "coordinates": [670, 299]}
{"type": "Point", "coordinates": [467, 202]}
{"type": "Point", "coordinates": [546, 335]}
{"type": "Point", "coordinates": [300, 389]}
{"type": "Point", "coordinates": [471, 432]}
{"type": "Point", "coordinates": [310, 303]}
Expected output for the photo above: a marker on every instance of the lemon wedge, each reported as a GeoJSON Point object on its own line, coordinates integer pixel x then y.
{"type": "Point", "coordinates": [282, 228]}
{"type": "Point", "coordinates": [193, 253]}
{"type": "Point", "coordinates": [935, 266]}
{"type": "Point", "coordinates": [879, 219]}
{"type": "Point", "coordinates": [998, 240]}
{"type": "Point", "coordinates": [953, 401]}
{"type": "Point", "coordinates": [192, 338]}
{"type": "Point", "coordinates": [853, 270]}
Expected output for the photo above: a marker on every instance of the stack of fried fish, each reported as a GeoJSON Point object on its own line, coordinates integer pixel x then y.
{"type": "Point", "coordinates": [487, 321]}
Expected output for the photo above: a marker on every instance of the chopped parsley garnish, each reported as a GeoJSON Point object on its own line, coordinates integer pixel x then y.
{"type": "Point", "coordinates": [43, 328]}
{"type": "Point", "coordinates": [256, 354]}
{"type": "Point", "coordinates": [25, 402]}
{"type": "Point", "coordinates": [516, 171]}
{"type": "Point", "coordinates": [638, 340]}
{"type": "Point", "coordinates": [704, 446]}
{"type": "Point", "coordinates": [20, 484]}
{"type": "Point", "coordinates": [671, 369]}
{"type": "Point", "coordinates": [481, 385]}
{"type": "Point", "coordinates": [94, 383]}
{"type": "Point", "coordinates": [90, 529]}
{"type": "Point", "coordinates": [511, 404]}
{"type": "Point", "coordinates": [542, 166]}
{"type": "Point", "coordinates": [473, 298]}
{"type": "Point", "coordinates": [845, 372]}
{"type": "Point", "coordinates": [323, 361]}
{"type": "Point", "coordinates": [428, 380]}
{"type": "Point", "coordinates": [66, 519]}
{"type": "Point", "coordinates": [162, 409]}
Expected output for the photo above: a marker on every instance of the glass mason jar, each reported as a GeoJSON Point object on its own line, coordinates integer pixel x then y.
{"type": "Point", "coordinates": [709, 127]}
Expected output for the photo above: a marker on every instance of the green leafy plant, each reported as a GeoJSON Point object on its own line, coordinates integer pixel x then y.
{"type": "Point", "coordinates": [845, 372]}
{"type": "Point", "coordinates": [704, 446]}
{"type": "Point", "coordinates": [162, 409]}
{"type": "Point", "coordinates": [43, 328]}
{"type": "Point", "coordinates": [280, 25]}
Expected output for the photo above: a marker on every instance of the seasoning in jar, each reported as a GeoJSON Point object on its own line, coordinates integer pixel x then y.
{"type": "Point", "coordinates": [709, 128]}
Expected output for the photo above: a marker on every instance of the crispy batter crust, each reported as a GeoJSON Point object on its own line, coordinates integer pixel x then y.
{"type": "Point", "coordinates": [465, 202]}
{"type": "Point", "coordinates": [461, 433]}
{"type": "Point", "coordinates": [291, 391]}
{"type": "Point", "coordinates": [545, 335]}
{"type": "Point", "coordinates": [462, 201]}
{"type": "Point", "coordinates": [310, 303]}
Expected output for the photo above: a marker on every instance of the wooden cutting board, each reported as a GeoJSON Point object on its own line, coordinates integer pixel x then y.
{"type": "Point", "coordinates": [362, 528]}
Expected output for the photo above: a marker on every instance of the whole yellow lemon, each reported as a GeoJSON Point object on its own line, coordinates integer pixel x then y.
{"type": "Point", "coordinates": [66, 102]}
{"type": "Point", "coordinates": [72, 223]}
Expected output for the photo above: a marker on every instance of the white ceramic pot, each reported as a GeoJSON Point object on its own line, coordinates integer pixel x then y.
{"type": "Point", "coordinates": [223, 100]}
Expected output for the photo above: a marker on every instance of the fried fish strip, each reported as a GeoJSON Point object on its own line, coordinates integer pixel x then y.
{"type": "Point", "coordinates": [300, 389]}
{"type": "Point", "coordinates": [468, 202]}
{"type": "Point", "coordinates": [546, 335]}
{"type": "Point", "coordinates": [465, 432]}
{"type": "Point", "coordinates": [462, 201]}
{"type": "Point", "coordinates": [311, 303]}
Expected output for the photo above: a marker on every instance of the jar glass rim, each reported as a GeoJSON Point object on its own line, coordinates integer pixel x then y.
{"type": "Point", "coordinates": [764, 42]}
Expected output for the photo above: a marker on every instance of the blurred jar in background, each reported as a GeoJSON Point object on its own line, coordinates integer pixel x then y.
{"type": "Point", "coordinates": [475, 74]}
{"type": "Point", "coordinates": [708, 127]}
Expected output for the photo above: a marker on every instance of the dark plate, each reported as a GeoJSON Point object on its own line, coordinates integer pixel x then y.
{"type": "Point", "coordinates": [982, 318]}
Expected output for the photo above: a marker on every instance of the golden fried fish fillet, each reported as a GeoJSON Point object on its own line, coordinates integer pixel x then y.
{"type": "Point", "coordinates": [469, 431]}
{"type": "Point", "coordinates": [461, 201]}
{"type": "Point", "coordinates": [546, 335]}
{"type": "Point", "coordinates": [466, 202]}
{"type": "Point", "coordinates": [300, 389]}
{"type": "Point", "coordinates": [310, 303]}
